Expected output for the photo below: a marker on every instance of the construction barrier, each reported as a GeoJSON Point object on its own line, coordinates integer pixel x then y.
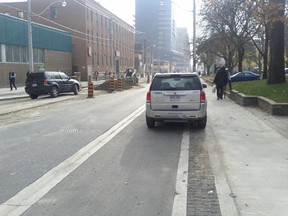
{"type": "Point", "coordinates": [112, 85]}
{"type": "Point", "coordinates": [90, 90]}
{"type": "Point", "coordinates": [119, 85]}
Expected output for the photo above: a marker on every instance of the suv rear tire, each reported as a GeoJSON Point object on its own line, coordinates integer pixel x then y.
{"type": "Point", "coordinates": [33, 96]}
{"type": "Point", "coordinates": [150, 122]}
{"type": "Point", "coordinates": [202, 122]}
{"type": "Point", "coordinates": [54, 92]}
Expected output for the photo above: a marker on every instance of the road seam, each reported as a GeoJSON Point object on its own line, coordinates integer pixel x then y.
{"type": "Point", "coordinates": [227, 203]}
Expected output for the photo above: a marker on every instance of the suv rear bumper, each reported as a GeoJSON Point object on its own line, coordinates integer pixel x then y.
{"type": "Point", "coordinates": [38, 91]}
{"type": "Point", "coordinates": [190, 115]}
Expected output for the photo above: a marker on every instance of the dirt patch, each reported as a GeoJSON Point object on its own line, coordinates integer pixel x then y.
{"type": "Point", "coordinates": [105, 86]}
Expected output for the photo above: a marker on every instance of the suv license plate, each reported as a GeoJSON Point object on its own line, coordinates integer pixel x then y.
{"type": "Point", "coordinates": [175, 98]}
{"type": "Point", "coordinates": [34, 85]}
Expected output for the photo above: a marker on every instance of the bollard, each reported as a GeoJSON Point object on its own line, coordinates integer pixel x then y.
{"type": "Point", "coordinates": [119, 86]}
{"type": "Point", "coordinates": [112, 85]}
{"type": "Point", "coordinates": [90, 88]}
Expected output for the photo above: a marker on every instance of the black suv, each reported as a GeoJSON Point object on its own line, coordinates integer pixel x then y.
{"type": "Point", "coordinates": [50, 82]}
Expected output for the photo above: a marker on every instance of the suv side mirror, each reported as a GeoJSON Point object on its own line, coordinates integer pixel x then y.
{"type": "Point", "coordinates": [204, 85]}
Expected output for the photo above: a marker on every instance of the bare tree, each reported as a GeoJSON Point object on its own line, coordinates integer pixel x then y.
{"type": "Point", "coordinates": [233, 20]}
{"type": "Point", "coordinates": [220, 47]}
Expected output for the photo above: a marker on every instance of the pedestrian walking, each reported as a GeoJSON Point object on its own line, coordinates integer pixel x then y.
{"type": "Point", "coordinates": [105, 75]}
{"type": "Point", "coordinates": [220, 80]}
{"type": "Point", "coordinates": [97, 75]}
{"type": "Point", "coordinates": [12, 80]}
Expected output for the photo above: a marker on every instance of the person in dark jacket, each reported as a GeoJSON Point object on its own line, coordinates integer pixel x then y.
{"type": "Point", "coordinates": [220, 80]}
{"type": "Point", "coordinates": [12, 79]}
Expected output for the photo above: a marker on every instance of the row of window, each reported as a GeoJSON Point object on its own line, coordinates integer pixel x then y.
{"type": "Point", "coordinates": [107, 60]}
{"type": "Point", "coordinates": [19, 54]}
{"type": "Point", "coordinates": [109, 24]}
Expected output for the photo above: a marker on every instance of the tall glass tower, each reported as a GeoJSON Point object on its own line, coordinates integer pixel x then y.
{"type": "Point", "coordinates": [155, 23]}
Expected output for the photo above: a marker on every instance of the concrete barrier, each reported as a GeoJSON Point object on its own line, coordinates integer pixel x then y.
{"type": "Point", "coordinates": [266, 104]}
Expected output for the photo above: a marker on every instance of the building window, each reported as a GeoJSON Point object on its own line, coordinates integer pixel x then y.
{"type": "Point", "coordinates": [87, 14]}
{"type": "Point", "coordinates": [38, 55]}
{"type": "Point", "coordinates": [20, 14]}
{"type": "Point", "coordinates": [16, 53]}
{"type": "Point", "coordinates": [19, 54]}
{"type": "Point", "coordinates": [53, 13]}
{"type": "Point", "coordinates": [23, 54]}
{"type": "Point", "coordinates": [9, 54]}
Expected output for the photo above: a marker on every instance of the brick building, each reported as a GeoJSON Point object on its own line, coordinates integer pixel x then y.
{"type": "Point", "coordinates": [101, 41]}
{"type": "Point", "coordinates": [52, 48]}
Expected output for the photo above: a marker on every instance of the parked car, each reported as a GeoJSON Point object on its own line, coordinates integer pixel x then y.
{"type": "Point", "coordinates": [245, 76]}
{"type": "Point", "coordinates": [176, 97]}
{"type": "Point", "coordinates": [286, 71]}
{"type": "Point", "coordinates": [50, 82]}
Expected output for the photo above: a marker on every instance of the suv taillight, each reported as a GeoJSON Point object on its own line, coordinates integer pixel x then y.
{"type": "Point", "coordinates": [202, 96]}
{"type": "Point", "coordinates": [45, 82]}
{"type": "Point", "coordinates": [148, 97]}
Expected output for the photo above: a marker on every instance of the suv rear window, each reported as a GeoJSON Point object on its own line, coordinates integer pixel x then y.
{"type": "Point", "coordinates": [34, 76]}
{"type": "Point", "coordinates": [173, 83]}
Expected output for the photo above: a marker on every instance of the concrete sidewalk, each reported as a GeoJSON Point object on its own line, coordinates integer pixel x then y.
{"type": "Point", "coordinates": [248, 150]}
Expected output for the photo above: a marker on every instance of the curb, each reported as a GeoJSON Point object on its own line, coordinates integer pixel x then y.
{"type": "Point", "coordinates": [13, 97]}
{"type": "Point", "coordinates": [273, 108]}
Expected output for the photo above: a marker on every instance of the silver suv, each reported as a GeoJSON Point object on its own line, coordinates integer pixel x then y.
{"type": "Point", "coordinates": [176, 97]}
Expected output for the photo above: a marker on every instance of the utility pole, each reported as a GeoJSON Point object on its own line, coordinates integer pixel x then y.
{"type": "Point", "coordinates": [194, 36]}
{"type": "Point", "coordinates": [30, 44]}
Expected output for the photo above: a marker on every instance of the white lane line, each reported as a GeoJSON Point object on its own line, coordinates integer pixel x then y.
{"type": "Point", "coordinates": [23, 200]}
{"type": "Point", "coordinates": [180, 198]}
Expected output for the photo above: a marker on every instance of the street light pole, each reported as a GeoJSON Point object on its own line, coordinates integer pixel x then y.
{"type": "Point", "coordinates": [30, 43]}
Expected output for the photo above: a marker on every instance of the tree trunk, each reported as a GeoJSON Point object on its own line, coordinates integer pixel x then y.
{"type": "Point", "coordinates": [276, 72]}
{"type": "Point", "coordinates": [241, 52]}
{"type": "Point", "coordinates": [265, 55]}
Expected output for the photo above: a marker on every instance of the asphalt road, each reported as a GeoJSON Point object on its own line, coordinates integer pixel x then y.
{"type": "Point", "coordinates": [66, 158]}
{"type": "Point", "coordinates": [52, 162]}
